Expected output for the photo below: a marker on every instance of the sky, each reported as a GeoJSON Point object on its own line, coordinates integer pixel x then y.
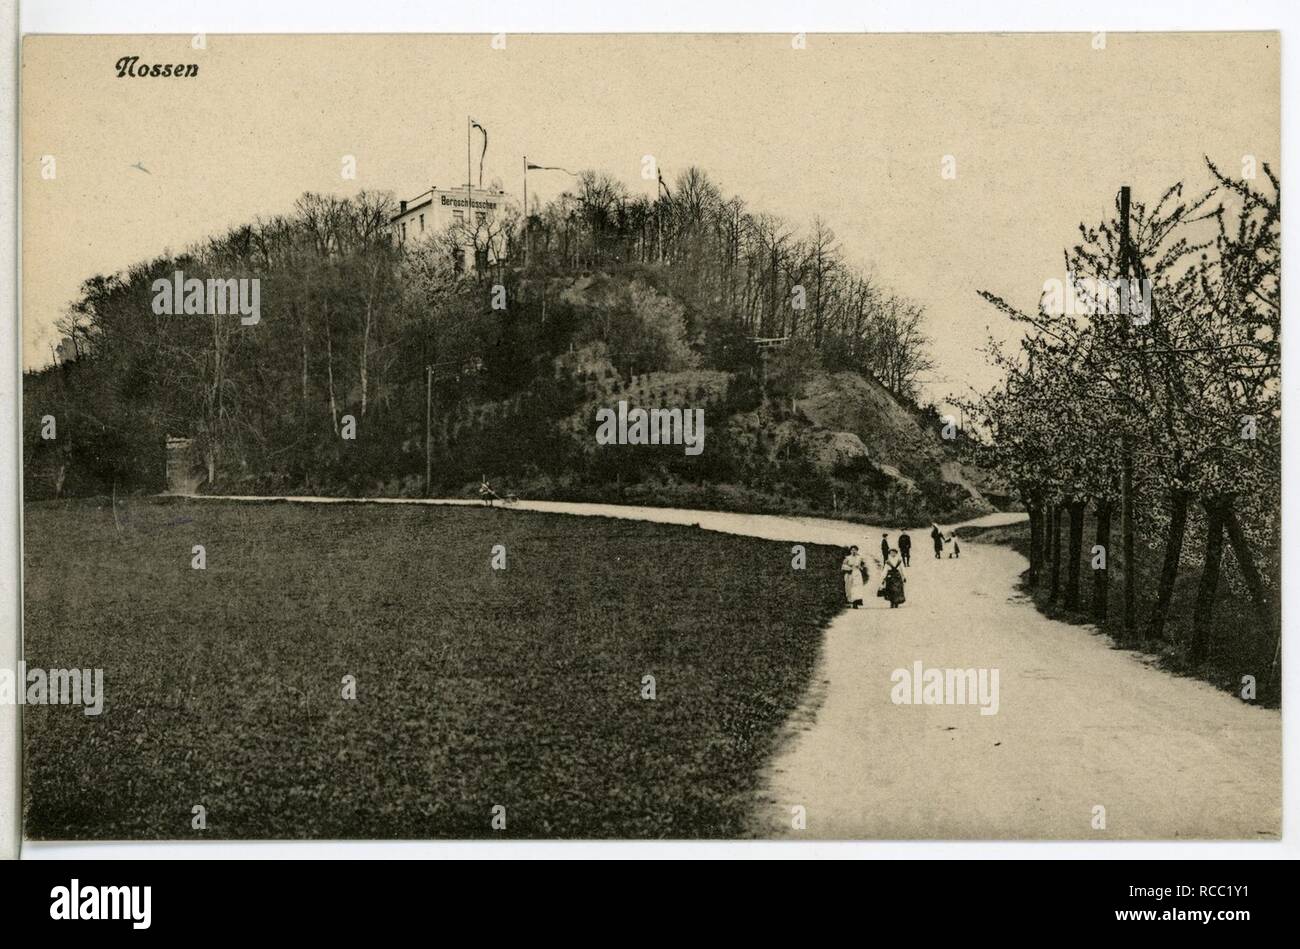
{"type": "Point", "coordinates": [853, 128]}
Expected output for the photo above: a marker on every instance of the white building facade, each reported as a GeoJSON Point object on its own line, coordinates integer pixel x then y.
{"type": "Point", "coordinates": [474, 216]}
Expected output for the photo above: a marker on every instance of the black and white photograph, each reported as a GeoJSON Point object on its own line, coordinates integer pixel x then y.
{"type": "Point", "coordinates": [649, 436]}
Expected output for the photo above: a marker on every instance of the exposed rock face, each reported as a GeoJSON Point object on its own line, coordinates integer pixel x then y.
{"type": "Point", "coordinates": [832, 449]}
{"type": "Point", "coordinates": [848, 426]}
{"type": "Point", "coordinates": [897, 476]}
{"type": "Point", "coordinates": [893, 436]}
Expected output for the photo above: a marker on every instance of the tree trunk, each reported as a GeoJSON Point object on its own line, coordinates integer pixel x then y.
{"type": "Point", "coordinates": [1075, 509]}
{"type": "Point", "coordinates": [1169, 571]}
{"type": "Point", "coordinates": [1126, 529]}
{"type": "Point", "coordinates": [1035, 543]}
{"type": "Point", "coordinates": [329, 374]}
{"type": "Point", "coordinates": [1209, 586]}
{"type": "Point", "coordinates": [1250, 572]}
{"type": "Point", "coordinates": [1056, 551]}
{"type": "Point", "coordinates": [1101, 578]}
{"type": "Point", "coordinates": [365, 356]}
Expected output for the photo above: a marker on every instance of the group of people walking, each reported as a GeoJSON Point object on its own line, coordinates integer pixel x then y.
{"type": "Point", "coordinates": [940, 539]}
{"type": "Point", "coordinates": [893, 583]}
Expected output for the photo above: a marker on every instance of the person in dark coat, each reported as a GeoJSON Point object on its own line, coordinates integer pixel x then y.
{"type": "Point", "coordinates": [894, 581]}
{"type": "Point", "coordinates": [905, 549]}
{"type": "Point", "coordinates": [884, 547]}
{"type": "Point", "coordinates": [936, 535]}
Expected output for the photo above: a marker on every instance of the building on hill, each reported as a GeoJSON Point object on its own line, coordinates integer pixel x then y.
{"type": "Point", "coordinates": [477, 218]}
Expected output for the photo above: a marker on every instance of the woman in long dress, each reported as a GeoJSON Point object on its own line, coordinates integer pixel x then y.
{"type": "Point", "coordinates": [854, 569]}
{"type": "Point", "coordinates": [894, 581]}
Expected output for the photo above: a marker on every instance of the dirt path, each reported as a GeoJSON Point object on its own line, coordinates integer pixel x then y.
{"type": "Point", "coordinates": [1079, 725]}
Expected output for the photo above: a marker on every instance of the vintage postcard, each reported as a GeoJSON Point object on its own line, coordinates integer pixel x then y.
{"type": "Point", "coordinates": [651, 436]}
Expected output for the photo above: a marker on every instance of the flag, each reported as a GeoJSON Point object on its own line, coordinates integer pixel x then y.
{"type": "Point", "coordinates": [664, 185]}
{"type": "Point", "coordinates": [474, 124]}
{"type": "Point", "coordinates": [532, 167]}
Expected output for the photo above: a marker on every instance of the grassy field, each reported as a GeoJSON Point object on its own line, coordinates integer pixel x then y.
{"type": "Point", "coordinates": [474, 687]}
{"type": "Point", "coordinates": [1237, 647]}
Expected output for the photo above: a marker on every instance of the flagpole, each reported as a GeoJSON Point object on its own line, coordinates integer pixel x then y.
{"type": "Point", "coordinates": [659, 210]}
{"type": "Point", "coordinates": [525, 212]}
{"type": "Point", "coordinates": [469, 180]}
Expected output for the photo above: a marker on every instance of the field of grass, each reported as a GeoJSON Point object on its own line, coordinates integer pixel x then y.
{"type": "Point", "coordinates": [474, 687]}
{"type": "Point", "coordinates": [1237, 647]}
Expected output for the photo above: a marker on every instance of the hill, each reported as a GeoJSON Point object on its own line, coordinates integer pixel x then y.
{"type": "Point", "coordinates": [811, 441]}
{"type": "Point", "coordinates": [386, 368]}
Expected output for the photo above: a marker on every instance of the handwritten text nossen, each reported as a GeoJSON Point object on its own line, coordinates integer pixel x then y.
{"type": "Point", "coordinates": [131, 66]}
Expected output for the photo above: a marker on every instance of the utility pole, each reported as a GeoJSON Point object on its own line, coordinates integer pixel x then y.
{"type": "Point", "coordinates": [1126, 488]}
{"type": "Point", "coordinates": [428, 427]}
{"type": "Point", "coordinates": [764, 343]}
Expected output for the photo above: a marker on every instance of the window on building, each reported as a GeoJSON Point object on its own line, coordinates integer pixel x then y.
{"type": "Point", "coordinates": [480, 217]}
{"type": "Point", "coordinates": [459, 216]}
{"type": "Point", "coordinates": [403, 232]}
{"type": "Point", "coordinates": [421, 223]}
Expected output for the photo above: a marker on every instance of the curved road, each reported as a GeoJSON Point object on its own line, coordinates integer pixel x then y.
{"type": "Point", "coordinates": [1079, 725]}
